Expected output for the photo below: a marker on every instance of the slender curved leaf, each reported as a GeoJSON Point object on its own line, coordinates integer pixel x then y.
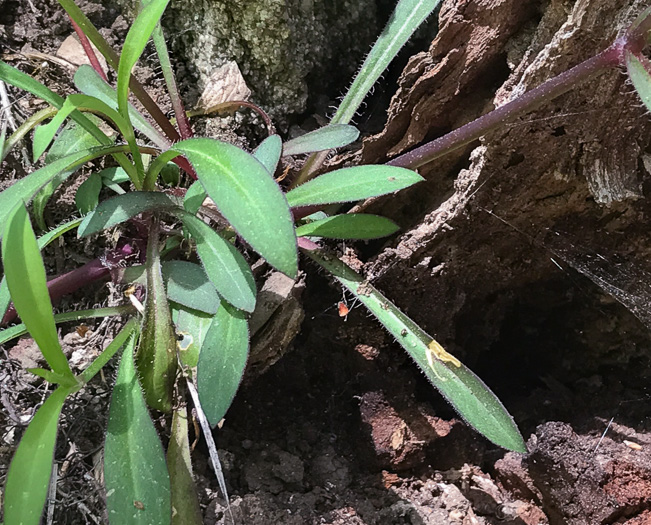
{"type": "Point", "coordinates": [88, 81]}
{"type": "Point", "coordinates": [639, 71]}
{"type": "Point", "coordinates": [27, 283]}
{"type": "Point", "coordinates": [122, 208]}
{"type": "Point", "coordinates": [327, 137]}
{"type": "Point", "coordinates": [247, 197]}
{"type": "Point", "coordinates": [352, 226]}
{"type": "Point", "coordinates": [222, 361]}
{"type": "Point", "coordinates": [405, 19]}
{"type": "Point", "coordinates": [188, 285]}
{"type": "Point", "coordinates": [469, 396]}
{"type": "Point", "coordinates": [352, 184]}
{"type": "Point", "coordinates": [31, 466]}
{"type": "Point", "coordinates": [134, 45]}
{"type": "Point", "coordinates": [118, 342]}
{"type": "Point", "coordinates": [224, 265]}
{"type": "Point", "coordinates": [135, 472]}
{"type": "Point", "coordinates": [268, 152]}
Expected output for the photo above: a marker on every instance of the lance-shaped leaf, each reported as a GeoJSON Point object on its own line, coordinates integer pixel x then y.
{"type": "Point", "coordinates": [247, 197]}
{"type": "Point", "coordinates": [87, 196]}
{"type": "Point", "coordinates": [31, 467]}
{"type": "Point", "coordinates": [222, 361]}
{"type": "Point", "coordinates": [327, 137]}
{"type": "Point", "coordinates": [122, 208]}
{"type": "Point", "coordinates": [268, 152]}
{"type": "Point", "coordinates": [224, 265]}
{"type": "Point", "coordinates": [156, 358]}
{"type": "Point", "coordinates": [135, 472]}
{"type": "Point", "coordinates": [469, 396]}
{"type": "Point", "coordinates": [194, 197]}
{"type": "Point", "coordinates": [639, 71]}
{"type": "Point", "coordinates": [191, 328]}
{"type": "Point", "coordinates": [352, 184]}
{"type": "Point", "coordinates": [405, 19]}
{"type": "Point", "coordinates": [27, 283]}
{"type": "Point", "coordinates": [352, 226]}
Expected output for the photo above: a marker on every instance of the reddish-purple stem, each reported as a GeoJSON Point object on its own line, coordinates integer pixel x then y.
{"type": "Point", "coordinates": [90, 53]}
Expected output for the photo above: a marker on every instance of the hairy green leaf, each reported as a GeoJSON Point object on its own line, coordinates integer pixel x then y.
{"type": "Point", "coordinates": [156, 358]}
{"type": "Point", "coordinates": [224, 265]}
{"type": "Point", "coordinates": [191, 328]}
{"type": "Point", "coordinates": [469, 396]}
{"type": "Point", "coordinates": [268, 152]}
{"type": "Point", "coordinates": [188, 285]}
{"type": "Point", "coordinates": [27, 283]}
{"type": "Point", "coordinates": [122, 208]}
{"type": "Point", "coordinates": [222, 361]}
{"type": "Point", "coordinates": [639, 71]}
{"type": "Point", "coordinates": [135, 472]}
{"type": "Point", "coordinates": [352, 226]}
{"type": "Point", "coordinates": [405, 19]}
{"type": "Point", "coordinates": [31, 466]}
{"type": "Point", "coordinates": [247, 197]}
{"type": "Point", "coordinates": [194, 197]}
{"type": "Point", "coordinates": [352, 184]}
{"type": "Point", "coordinates": [327, 137]}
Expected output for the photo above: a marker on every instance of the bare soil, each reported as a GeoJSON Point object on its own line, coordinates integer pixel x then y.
{"type": "Point", "coordinates": [498, 259]}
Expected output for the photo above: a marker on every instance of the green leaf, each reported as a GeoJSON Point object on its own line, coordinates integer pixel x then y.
{"type": "Point", "coordinates": [352, 184]}
{"type": "Point", "coordinates": [406, 18]}
{"type": "Point", "coordinates": [268, 152]}
{"type": "Point", "coordinates": [222, 361]}
{"type": "Point", "coordinates": [224, 265]}
{"type": "Point", "coordinates": [352, 226]}
{"type": "Point", "coordinates": [191, 328]}
{"type": "Point", "coordinates": [87, 196]}
{"type": "Point", "coordinates": [88, 81]}
{"type": "Point", "coordinates": [113, 177]}
{"type": "Point", "coordinates": [122, 208]}
{"type": "Point", "coordinates": [194, 197]}
{"type": "Point", "coordinates": [185, 504]}
{"type": "Point", "coordinates": [156, 358]}
{"type": "Point", "coordinates": [188, 285]}
{"type": "Point", "coordinates": [31, 467]}
{"type": "Point", "coordinates": [327, 137]}
{"type": "Point", "coordinates": [135, 472]}
{"type": "Point", "coordinates": [247, 197]}
{"type": "Point", "coordinates": [44, 240]}
{"type": "Point", "coordinates": [134, 45]}
{"type": "Point", "coordinates": [27, 283]}
{"type": "Point", "coordinates": [469, 396]}
{"type": "Point", "coordinates": [639, 71]}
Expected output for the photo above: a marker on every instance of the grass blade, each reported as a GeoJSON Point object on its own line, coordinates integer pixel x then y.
{"type": "Point", "coordinates": [135, 472]}
{"type": "Point", "coordinates": [27, 283]}
{"type": "Point", "coordinates": [31, 466]}
{"type": "Point", "coordinates": [113, 347]}
{"type": "Point", "coordinates": [469, 396]}
{"type": "Point", "coordinates": [247, 197]}
{"type": "Point", "coordinates": [352, 184]}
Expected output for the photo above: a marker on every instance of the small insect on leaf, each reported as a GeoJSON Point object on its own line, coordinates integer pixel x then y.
{"type": "Point", "coordinates": [139, 505]}
{"type": "Point", "coordinates": [343, 309]}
